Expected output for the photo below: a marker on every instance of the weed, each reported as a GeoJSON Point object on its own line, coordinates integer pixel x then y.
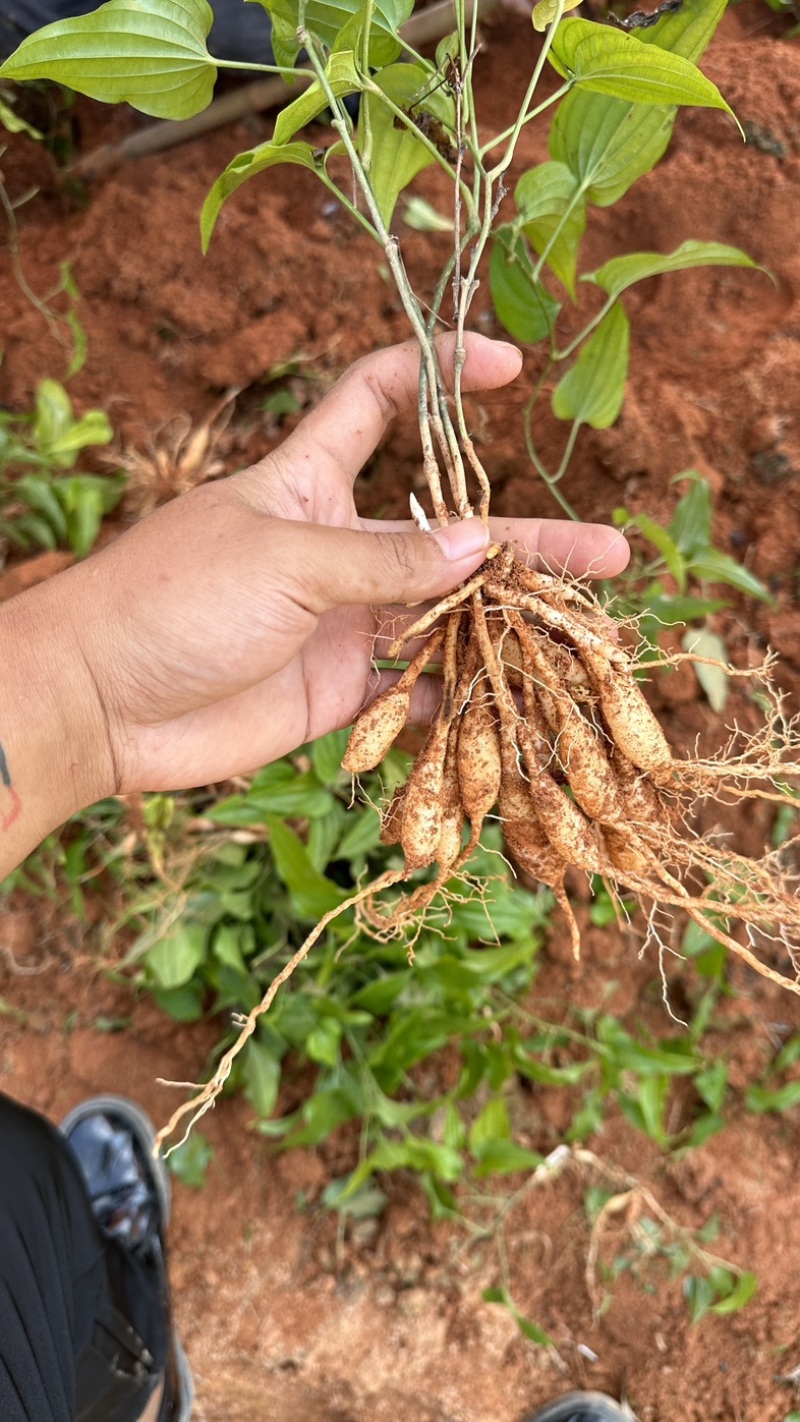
{"type": "Point", "coordinates": [41, 505]}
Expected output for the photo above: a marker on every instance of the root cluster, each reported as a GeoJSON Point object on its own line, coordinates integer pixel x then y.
{"type": "Point", "coordinates": [543, 722]}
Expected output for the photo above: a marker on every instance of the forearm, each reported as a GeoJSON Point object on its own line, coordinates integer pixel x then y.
{"type": "Point", "coordinates": [53, 753]}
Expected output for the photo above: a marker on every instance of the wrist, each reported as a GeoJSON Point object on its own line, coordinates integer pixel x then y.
{"type": "Point", "coordinates": [55, 749]}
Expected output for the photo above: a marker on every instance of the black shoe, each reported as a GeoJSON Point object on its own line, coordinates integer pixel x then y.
{"type": "Point", "coordinates": [582, 1407]}
{"type": "Point", "coordinates": [130, 1195]}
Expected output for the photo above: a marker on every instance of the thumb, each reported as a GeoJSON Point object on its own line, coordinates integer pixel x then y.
{"type": "Point", "coordinates": [337, 567]}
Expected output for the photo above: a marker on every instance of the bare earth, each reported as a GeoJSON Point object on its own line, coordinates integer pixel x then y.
{"type": "Point", "coordinates": [283, 1317]}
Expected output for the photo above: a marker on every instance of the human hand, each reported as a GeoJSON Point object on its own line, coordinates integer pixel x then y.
{"type": "Point", "coordinates": [241, 620]}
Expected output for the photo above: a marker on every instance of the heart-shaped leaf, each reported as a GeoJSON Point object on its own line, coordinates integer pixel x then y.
{"type": "Point", "coordinates": [148, 53]}
{"type": "Point", "coordinates": [610, 62]}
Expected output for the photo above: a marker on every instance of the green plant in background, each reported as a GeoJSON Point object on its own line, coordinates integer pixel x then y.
{"type": "Point", "coordinates": [42, 505]}
{"type": "Point", "coordinates": [671, 589]}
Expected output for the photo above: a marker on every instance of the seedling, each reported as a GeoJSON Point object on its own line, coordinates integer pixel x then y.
{"type": "Point", "coordinates": [43, 503]}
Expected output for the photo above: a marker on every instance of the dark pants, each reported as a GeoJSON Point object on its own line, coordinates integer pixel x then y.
{"type": "Point", "coordinates": [82, 1326]}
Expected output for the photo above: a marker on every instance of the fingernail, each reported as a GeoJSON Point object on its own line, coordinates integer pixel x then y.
{"type": "Point", "coordinates": [463, 540]}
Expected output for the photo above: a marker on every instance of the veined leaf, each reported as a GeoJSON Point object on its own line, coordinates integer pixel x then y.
{"type": "Point", "coordinates": [621, 272]}
{"type": "Point", "coordinates": [617, 64]}
{"type": "Point", "coordinates": [524, 306]}
{"type": "Point", "coordinates": [312, 894]}
{"type": "Point", "coordinates": [549, 202]}
{"type": "Point", "coordinates": [609, 143]}
{"type": "Point", "coordinates": [397, 155]}
{"type": "Point", "coordinates": [593, 390]}
{"type": "Point", "coordinates": [384, 46]}
{"type": "Point", "coordinates": [718, 567]}
{"type": "Point", "coordinates": [343, 78]}
{"type": "Point", "coordinates": [148, 53]}
{"type": "Point", "coordinates": [691, 522]}
{"type": "Point", "coordinates": [244, 166]}
{"type": "Point", "coordinates": [327, 18]}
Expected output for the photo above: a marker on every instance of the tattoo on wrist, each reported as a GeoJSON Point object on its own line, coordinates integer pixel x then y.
{"type": "Point", "coordinates": [10, 803]}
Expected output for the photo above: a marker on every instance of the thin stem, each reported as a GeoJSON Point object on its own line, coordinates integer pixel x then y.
{"type": "Point", "coordinates": [587, 330]}
{"type": "Point", "coordinates": [532, 114]}
{"type": "Point", "coordinates": [552, 480]}
{"type": "Point", "coordinates": [505, 161]}
{"type": "Point", "coordinates": [411, 305]}
{"type": "Point", "coordinates": [288, 71]}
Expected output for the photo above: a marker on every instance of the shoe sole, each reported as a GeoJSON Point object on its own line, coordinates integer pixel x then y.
{"type": "Point", "coordinates": [142, 1128]}
{"type": "Point", "coordinates": [584, 1407]}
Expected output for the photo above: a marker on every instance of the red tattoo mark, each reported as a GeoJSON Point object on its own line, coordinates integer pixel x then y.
{"type": "Point", "coordinates": [12, 805]}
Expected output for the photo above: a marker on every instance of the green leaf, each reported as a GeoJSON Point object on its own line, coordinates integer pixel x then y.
{"type": "Point", "coordinates": [741, 1293]}
{"type": "Point", "coordinates": [362, 835]}
{"type": "Point", "coordinates": [712, 1083]}
{"type": "Point", "coordinates": [526, 1326]}
{"type": "Point", "coordinates": [718, 567]}
{"type": "Point", "coordinates": [592, 392]}
{"type": "Point", "coordinates": [322, 1113]}
{"type": "Point", "coordinates": [524, 306]}
{"type": "Point", "coordinates": [326, 756]}
{"type": "Point", "coordinates": [552, 214]}
{"type": "Point", "coordinates": [491, 1125]}
{"type": "Point", "coordinates": [497, 1157]}
{"type": "Point", "coordinates": [279, 790]}
{"type": "Point", "coordinates": [609, 143]}
{"type": "Point", "coordinates": [189, 1161]}
{"type": "Point", "coordinates": [184, 1004]}
{"type": "Point", "coordinates": [691, 522]}
{"type": "Point", "coordinates": [713, 679]}
{"type": "Point", "coordinates": [327, 18]}
{"type": "Point", "coordinates": [312, 894]}
{"type": "Point", "coordinates": [384, 47]}
{"type": "Point", "coordinates": [173, 960]}
{"type": "Point", "coordinates": [761, 1099]}
{"type": "Point", "coordinates": [621, 272]}
{"type": "Point", "coordinates": [343, 78]}
{"type": "Point", "coordinates": [84, 517]}
{"type": "Point", "coordinates": [699, 1295]}
{"type": "Point", "coordinates": [38, 493]}
{"type": "Point", "coordinates": [367, 1203]}
{"type": "Point", "coordinates": [148, 53]}
{"type": "Point", "coordinates": [616, 64]}
{"type": "Point", "coordinates": [397, 155]}
{"type": "Point", "coordinates": [322, 1044]}
{"type": "Point", "coordinates": [261, 1074]}
{"type": "Point", "coordinates": [665, 545]}
{"type": "Point", "coordinates": [58, 434]}
{"type": "Point", "coordinates": [247, 165]}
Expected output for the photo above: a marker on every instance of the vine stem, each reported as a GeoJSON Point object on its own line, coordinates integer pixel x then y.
{"type": "Point", "coordinates": [436, 413]}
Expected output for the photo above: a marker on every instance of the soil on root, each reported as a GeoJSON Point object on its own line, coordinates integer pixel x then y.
{"type": "Point", "coordinates": [284, 1317]}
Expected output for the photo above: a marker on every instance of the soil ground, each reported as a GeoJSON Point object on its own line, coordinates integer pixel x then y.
{"type": "Point", "coordinates": [284, 1316]}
